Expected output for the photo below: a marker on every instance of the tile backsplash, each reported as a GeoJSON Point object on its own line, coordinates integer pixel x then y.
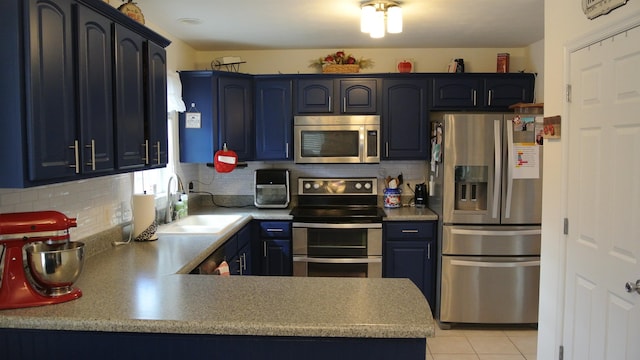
{"type": "Point", "coordinates": [240, 181]}
{"type": "Point", "coordinates": [102, 203]}
{"type": "Point", "coordinates": [98, 204]}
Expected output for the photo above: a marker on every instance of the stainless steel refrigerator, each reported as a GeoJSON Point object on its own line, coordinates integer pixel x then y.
{"type": "Point", "coordinates": [486, 186]}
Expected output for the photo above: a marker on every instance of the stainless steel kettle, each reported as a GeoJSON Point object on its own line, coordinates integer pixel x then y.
{"type": "Point", "coordinates": [420, 194]}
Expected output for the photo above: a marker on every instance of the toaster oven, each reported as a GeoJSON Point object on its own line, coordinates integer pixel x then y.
{"type": "Point", "coordinates": [271, 188]}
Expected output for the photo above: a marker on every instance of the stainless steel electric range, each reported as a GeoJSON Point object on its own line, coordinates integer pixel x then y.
{"type": "Point", "coordinates": [337, 228]}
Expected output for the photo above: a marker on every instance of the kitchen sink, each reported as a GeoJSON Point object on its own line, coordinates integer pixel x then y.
{"type": "Point", "coordinates": [199, 225]}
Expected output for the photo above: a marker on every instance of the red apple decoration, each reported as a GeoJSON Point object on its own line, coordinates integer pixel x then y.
{"type": "Point", "coordinates": [404, 66]}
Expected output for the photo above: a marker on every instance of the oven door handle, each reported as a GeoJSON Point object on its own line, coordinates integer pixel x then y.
{"type": "Point", "coordinates": [338, 226]}
{"type": "Point", "coordinates": [367, 260]}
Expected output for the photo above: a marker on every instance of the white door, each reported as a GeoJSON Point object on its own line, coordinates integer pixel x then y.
{"type": "Point", "coordinates": [602, 320]}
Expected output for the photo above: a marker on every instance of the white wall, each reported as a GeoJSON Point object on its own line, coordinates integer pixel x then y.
{"type": "Point", "coordinates": [564, 22]}
{"type": "Point", "coordinates": [426, 60]}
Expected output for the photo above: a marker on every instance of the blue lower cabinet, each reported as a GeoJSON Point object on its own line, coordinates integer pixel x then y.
{"type": "Point", "coordinates": [274, 244]}
{"type": "Point", "coordinates": [409, 252]}
{"type": "Point", "coordinates": [19, 344]}
{"type": "Point", "coordinates": [237, 252]}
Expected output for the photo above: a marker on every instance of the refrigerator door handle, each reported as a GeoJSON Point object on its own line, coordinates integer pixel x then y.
{"type": "Point", "coordinates": [455, 231]}
{"type": "Point", "coordinates": [495, 264]}
{"type": "Point", "coordinates": [510, 164]}
{"type": "Point", "coordinates": [498, 168]}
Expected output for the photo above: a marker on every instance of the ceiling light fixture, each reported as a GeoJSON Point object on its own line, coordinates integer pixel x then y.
{"type": "Point", "coordinates": [373, 15]}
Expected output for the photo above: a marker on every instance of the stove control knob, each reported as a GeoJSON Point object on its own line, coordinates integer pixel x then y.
{"type": "Point", "coordinates": [367, 185]}
{"type": "Point", "coordinates": [316, 186]}
{"type": "Point", "coordinates": [358, 186]}
{"type": "Point", "coordinates": [307, 186]}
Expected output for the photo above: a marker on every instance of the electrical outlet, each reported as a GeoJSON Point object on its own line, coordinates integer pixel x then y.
{"type": "Point", "coordinates": [190, 185]}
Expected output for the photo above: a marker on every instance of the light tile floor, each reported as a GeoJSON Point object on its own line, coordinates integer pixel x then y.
{"type": "Point", "coordinates": [483, 343]}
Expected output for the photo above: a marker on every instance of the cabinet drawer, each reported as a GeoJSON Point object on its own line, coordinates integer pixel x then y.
{"type": "Point", "coordinates": [275, 229]}
{"type": "Point", "coordinates": [410, 230]}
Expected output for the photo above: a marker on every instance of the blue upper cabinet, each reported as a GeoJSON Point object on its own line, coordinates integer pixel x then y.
{"type": "Point", "coordinates": [73, 108]}
{"type": "Point", "coordinates": [131, 147]}
{"type": "Point", "coordinates": [53, 149]}
{"type": "Point", "coordinates": [274, 119]}
{"type": "Point", "coordinates": [356, 95]}
{"type": "Point", "coordinates": [481, 91]}
{"type": "Point", "coordinates": [503, 91]}
{"type": "Point", "coordinates": [95, 91]}
{"type": "Point", "coordinates": [456, 92]}
{"type": "Point", "coordinates": [405, 115]}
{"type": "Point", "coordinates": [235, 100]}
{"type": "Point", "coordinates": [156, 106]}
{"type": "Point", "coordinates": [223, 103]}
{"type": "Point", "coordinates": [315, 96]}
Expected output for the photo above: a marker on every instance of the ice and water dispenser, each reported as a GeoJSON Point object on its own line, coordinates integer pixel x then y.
{"type": "Point", "coordinates": [471, 188]}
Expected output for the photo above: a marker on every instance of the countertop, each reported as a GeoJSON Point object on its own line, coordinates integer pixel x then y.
{"type": "Point", "coordinates": [144, 287]}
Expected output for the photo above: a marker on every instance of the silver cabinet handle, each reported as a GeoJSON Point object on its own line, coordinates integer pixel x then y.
{"type": "Point", "coordinates": [429, 251]}
{"type": "Point", "coordinates": [409, 231]}
{"type": "Point", "coordinates": [146, 152]}
{"type": "Point", "coordinates": [76, 156]}
{"type": "Point", "coordinates": [329, 103]}
{"type": "Point", "coordinates": [286, 151]}
{"type": "Point", "coordinates": [475, 97]}
{"type": "Point", "coordinates": [157, 147]}
{"type": "Point", "coordinates": [490, 95]}
{"type": "Point", "coordinates": [92, 163]}
{"type": "Point", "coordinates": [344, 104]}
{"type": "Point", "coordinates": [275, 230]}
{"type": "Point", "coordinates": [631, 286]}
{"type": "Point", "coordinates": [386, 149]}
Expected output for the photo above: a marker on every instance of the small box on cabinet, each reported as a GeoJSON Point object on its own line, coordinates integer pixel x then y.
{"type": "Point", "coordinates": [503, 63]}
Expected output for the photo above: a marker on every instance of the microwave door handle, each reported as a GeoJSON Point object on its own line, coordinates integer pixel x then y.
{"type": "Point", "coordinates": [497, 146]}
{"type": "Point", "coordinates": [510, 164]}
{"type": "Point", "coordinates": [362, 144]}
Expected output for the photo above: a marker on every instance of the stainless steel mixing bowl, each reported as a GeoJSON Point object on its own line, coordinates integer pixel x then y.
{"type": "Point", "coordinates": [55, 267]}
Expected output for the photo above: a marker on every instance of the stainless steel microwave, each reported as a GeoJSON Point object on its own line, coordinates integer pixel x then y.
{"type": "Point", "coordinates": [337, 139]}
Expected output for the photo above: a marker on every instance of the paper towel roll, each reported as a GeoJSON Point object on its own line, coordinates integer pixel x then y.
{"type": "Point", "coordinates": [144, 216]}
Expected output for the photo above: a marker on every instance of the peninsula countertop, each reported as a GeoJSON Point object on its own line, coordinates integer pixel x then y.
{"type": "Point", "coordinates": [145, 287]}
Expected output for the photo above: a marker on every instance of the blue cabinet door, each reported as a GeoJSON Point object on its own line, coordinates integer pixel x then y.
{"type": "Point", "coordinates": [132, 147]}
{"type": "Point", "coordinates": [198, 142]}
{"type": "Point", "coordinates": [405, 121]}
{"type": "Point", "coordinates": [314, 96]}
{"type": "Point", "coordinates": [53, 148]}
{"type": "Point", "coordinates": [277, 260]}
{"type": "Point", "coordinates": [413, 260]}
{"type": "Point", "coordinates": [358, 96]}
{"type": "Point", "coordinates": [156, 119]}
{"type": "Point", "coordinates": [409, 252]}
{"type": "Point", "coordinates": [274, 119]}
{"type": "Point", "coordinates": [275, 245]}
{"type": "Point", "coordinates": [235, 99]}
{"type": "Point", "coordinates": [502, 91]}
{"type": "Point", "coordinates": [454, 92]}
{"type": "Point", "coordinates": [95, 91]}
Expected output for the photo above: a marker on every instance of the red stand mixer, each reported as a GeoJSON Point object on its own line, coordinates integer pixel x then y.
{"type": "Point", "coordinates": [52, 260]}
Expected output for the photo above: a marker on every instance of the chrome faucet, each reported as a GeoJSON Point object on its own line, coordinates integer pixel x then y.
{"type": "Point", "coordinates": [168, 217]}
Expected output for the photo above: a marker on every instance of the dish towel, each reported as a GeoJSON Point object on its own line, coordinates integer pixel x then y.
{"type": "Point", "coordinates": [222, 269]}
